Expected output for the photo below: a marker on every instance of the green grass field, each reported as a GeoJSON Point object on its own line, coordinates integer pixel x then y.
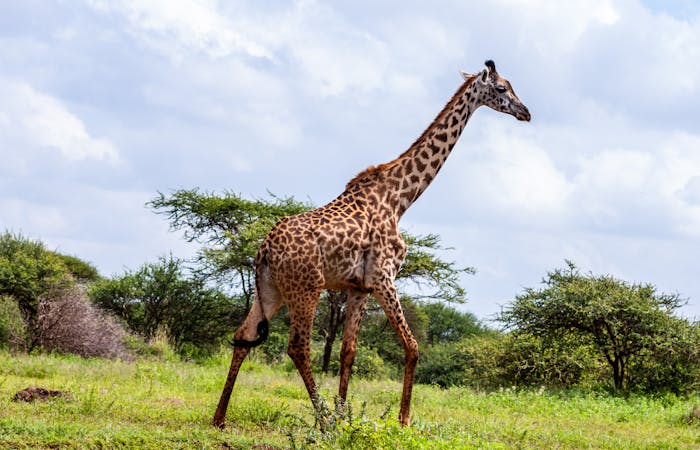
{"type": "Point", "coordinates": [169, 404]}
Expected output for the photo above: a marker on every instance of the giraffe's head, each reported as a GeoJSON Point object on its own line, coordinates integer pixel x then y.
{"type": "Point", "coordinates": [497, 93]}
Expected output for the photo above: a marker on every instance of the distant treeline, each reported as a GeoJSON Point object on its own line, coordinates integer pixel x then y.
{"type": "Point", "coordinates": [576, 329]}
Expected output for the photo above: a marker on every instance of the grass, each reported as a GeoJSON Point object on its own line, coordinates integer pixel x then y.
{"type": "Point", "coordinates": [169, 404]}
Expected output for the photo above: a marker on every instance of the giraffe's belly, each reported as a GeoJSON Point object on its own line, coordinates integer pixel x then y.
{"type": "Point", "coordinates": [346, 264]}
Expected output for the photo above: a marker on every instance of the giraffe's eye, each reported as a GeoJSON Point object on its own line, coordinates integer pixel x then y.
{"type": "Point", "coordinates": [500, 89]}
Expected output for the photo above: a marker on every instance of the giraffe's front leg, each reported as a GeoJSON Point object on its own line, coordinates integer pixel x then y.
{"type": "Point", "coordinates": [388, 299]}
{"type": "Point", "coordinates": [354, 309]}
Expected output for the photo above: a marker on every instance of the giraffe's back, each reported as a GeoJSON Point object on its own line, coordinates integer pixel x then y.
{"type": "Point", "coordinates": [325, 248]}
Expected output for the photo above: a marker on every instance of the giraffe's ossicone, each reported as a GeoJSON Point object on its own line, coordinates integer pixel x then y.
{"type": "Point", "coordinates": [353, 244]}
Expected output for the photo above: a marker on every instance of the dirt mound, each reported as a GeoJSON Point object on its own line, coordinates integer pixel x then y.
{"type": "Point", "coordinates": [37, 393]}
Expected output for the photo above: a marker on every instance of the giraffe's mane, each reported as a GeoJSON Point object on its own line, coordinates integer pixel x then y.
{"type": "Point", "coordinates": [373, 171]}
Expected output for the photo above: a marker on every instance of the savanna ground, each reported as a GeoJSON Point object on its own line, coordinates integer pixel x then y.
{"type": "Point", "coordinates": [169, 404]}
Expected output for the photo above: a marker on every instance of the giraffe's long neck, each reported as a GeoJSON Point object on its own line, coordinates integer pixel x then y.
{"type": "Point", "coordinates": [396, 185]}
{"type": "Point", "coordinates": [418, 166]}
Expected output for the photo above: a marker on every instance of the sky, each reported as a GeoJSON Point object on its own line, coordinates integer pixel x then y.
{"type": "Point", "coordinates": [105, 103]}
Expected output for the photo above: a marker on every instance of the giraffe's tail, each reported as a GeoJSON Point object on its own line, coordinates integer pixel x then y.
{"type": "Point", "coordinates": [263, 331]}
{"type": "Point", "coordinates": [263, 326]}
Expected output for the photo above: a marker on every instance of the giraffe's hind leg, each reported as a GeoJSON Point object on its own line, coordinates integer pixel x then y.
{"type": "Point", "coordinates": [302, 308]}
{"type": "Point", "coordinates": [249, 334]}
{"type": "Point", "coordinates": [354, 309]}
{"type": "Point", "coordinates": [239, 354]}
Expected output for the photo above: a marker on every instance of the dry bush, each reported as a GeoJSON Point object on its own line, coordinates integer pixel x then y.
{"type": "Point", "coordinates": [67, 322]}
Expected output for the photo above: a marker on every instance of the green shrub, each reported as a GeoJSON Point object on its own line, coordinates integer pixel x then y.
{"type": "Point", "coordinates": [13, 331]}
{"type": "Point", "coordinates": [162, 295]}
{"type": "Point", "coordinates": [672, 364]}
{"type": "Point", "coordinates": [28, 271]}
{"type": "Point", "coordinates": [490, 362]}
{"type": "Point", "coordinates": [82, 271]}
{"type": "Point", "coordinates": [444, 365]}
{"type": "Point", "coordinates": [274, 349]}
{"type": "Point", "coordinates": [525, 360]}
{"type": "Point", "coordinates": [368, 363]}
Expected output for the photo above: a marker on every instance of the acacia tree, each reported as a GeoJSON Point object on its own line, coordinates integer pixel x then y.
{"type": "Point", "coordinates": [623, 321]}
{"type": "Point", "coordinates": [230, 229]}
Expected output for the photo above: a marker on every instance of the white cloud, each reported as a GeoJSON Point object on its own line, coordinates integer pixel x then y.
{"type": "Point", "coordinates": [31, 119]}
{"type": "Point", "coordinates": [330, 56]}
{"type": "Point", "coordinates": [554, 29]}
{"type": "Point", "coordinates": [39, 219]}
{"type": "Point", "coordinates": [510, 174]}
{"type": "Point", "coordinates": [691, 191]}
{"type": "Point", "coordinates": [194, 25]}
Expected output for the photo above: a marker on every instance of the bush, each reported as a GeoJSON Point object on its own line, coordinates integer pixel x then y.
{"type": "Point", "coordinates": [67, 322]}
{"type": "Point", "coordinates": [672, 364]}
{"type": "Point", "coordinates": [526, 360]}
{"type": "Point", "coordinates": [447, 324]}
{"type": "Point", "coordinates": [623, 323]}
{"type": "Point", "coordinates": [27, 271]}
{"type": "Point", "coordinates": [368, 363]}
{"type": "Point", "coordinates": [196, 319]}
{"type": "Point", "coordinates": [81, 270]}
{"type": "Point", "coordinates": [13, 331]}
{"type": "Point", "coordinates": [491, 362]}
{"type": "Point", "coordinates": [274, 349]}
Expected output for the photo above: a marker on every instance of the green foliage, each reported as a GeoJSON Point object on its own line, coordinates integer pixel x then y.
{"type": "Point", "coordinates": [446, 324]}
{"type": "Point", "coordinates": [525, 360]}
{"type": "Point", "coordinates": [444, 365]}
{"type": "Point", "coordinates": [493, 361]}
{"type": "Point", "coordinates": [368, 363]}
{"type": "Point", "coordinates": [625, 323]}
{"type": "Point", "coordinates": [423, 267]}
{"type": "Point", "coordinates": [27, 271]}
{"type": "Point", "coordinates": [13, 331]}
{"type": "Point", "coordinates": [160, 296]}
{"type": "Point", "coordinates": [672, 362]}
{"type": "Point", "coordinates": [81, 270]}
{"type": "Point", "coordinates": [274, 348]}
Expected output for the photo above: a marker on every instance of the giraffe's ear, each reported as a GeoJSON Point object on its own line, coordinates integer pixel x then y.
{"type": "Point", "coordinates": [466, 75]}
{"type": "Point", "coordinates": [490, 71]}
{"type": "Point", "coordinates": [484, 75]}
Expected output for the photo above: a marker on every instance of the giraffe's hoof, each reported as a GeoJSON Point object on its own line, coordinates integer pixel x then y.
{"type": "Point", "coordinates": [220, 424]}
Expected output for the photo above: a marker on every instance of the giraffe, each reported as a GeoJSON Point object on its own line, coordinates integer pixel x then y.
{"type": "Point", "coordinates": [353, 244]}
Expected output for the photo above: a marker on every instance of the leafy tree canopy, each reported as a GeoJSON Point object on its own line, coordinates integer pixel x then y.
{"type": "Point", "coordinates": [622, 320]}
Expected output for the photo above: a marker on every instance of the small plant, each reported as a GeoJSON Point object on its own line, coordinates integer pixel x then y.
{"type": "Point", "coordinates": [694, 417]}
{"type": "Point", "coordinates": [336, 427]}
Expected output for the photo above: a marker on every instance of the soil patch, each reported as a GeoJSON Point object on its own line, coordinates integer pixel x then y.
{"type": "Point", "coordinates": [33, 393]}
